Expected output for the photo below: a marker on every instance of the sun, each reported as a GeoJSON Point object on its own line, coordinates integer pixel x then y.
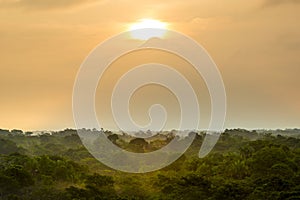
{"type": "Point", "coordinates": [155, 28]}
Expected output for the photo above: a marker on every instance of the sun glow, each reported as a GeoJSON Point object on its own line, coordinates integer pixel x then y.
{"type": "Point", "coordinates": [155, 28]}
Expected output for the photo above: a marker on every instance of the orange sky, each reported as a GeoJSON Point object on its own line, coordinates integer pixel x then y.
{"type": "Point", "coordinates": [255, 44]}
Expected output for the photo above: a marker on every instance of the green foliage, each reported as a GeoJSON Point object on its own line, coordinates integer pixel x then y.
{"type": "Point", "coordinates": [244, 165]}
{"type": "Point", "coordinates": [8, 147]}
{"type": "Point", "coordinates": [97, 180]}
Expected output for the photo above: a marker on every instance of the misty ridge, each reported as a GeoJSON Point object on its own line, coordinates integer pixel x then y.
{"type": "Point", "coordinates": [69, 131]}
{"type": "Point", "coordinates": [145, 141]}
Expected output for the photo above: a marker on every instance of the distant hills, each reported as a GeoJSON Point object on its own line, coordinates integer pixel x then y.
{"type": "Point", "coordinates": [238, 131]}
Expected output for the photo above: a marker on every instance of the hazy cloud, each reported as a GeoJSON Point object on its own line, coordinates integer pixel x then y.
{"type": "Point", "coordinates": [269, 3]}
{"type": "Point", "coordinates": [43, 4]}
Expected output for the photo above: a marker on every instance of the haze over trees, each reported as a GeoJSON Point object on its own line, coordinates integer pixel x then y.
{"type": "Point", "coordinates": [243, 165]}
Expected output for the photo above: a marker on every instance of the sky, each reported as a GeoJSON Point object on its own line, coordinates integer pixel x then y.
{"type": "Point", "coordinates": [255, 44]}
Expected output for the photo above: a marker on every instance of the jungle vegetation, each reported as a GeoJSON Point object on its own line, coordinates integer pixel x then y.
{"type": "Point", "coordinates": [243, 165]}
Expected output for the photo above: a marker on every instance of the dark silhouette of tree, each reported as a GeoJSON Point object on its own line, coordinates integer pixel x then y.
{"type": "Point", "coordinates": [138, 145]}
{"type": "Point", "coordinates": [113, 138]}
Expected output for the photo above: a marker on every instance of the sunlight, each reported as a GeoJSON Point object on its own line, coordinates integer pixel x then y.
{"type": "Point", "coordinates": [159, 29]}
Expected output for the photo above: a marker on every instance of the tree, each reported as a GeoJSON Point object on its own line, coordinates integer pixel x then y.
{"type": "Point", "coordinates": [113, 138]}
{"type": "Point", "coordinates": [8, 147]}
{"type": "Point", "coordinates": [16, 131]}
{"type": "Point", "coordinates": [97, 180]}
{"type": "Point", "coordinates": [21, 176]}
{"type": "Point", "coordinates": [138, 144]}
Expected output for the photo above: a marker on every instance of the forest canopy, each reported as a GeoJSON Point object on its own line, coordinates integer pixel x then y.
{"type": "Point", "coordinates": [243, 165]}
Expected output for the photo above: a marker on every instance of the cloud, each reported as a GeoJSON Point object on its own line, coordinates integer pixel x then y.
{"type": "Point", "coordinates": [269, 3]}
{"type": "Point", "coordinates": [43, 4]}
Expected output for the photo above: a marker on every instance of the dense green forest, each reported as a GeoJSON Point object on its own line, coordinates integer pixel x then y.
{"type": "Point", "coordinates": [243, 165]}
